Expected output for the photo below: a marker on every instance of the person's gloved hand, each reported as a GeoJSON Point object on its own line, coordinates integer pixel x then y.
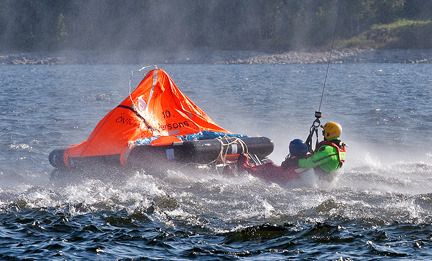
{"type": "Point", "coordinates": [243, 160]}
{"type": "Point", "coordinates": [290, 163]}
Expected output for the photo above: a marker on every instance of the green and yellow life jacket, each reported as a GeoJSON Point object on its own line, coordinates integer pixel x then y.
{"type": "Point", "coordinates": [329, 156]}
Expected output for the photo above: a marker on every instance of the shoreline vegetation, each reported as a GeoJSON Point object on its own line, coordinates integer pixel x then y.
{"type": "Point", "coordinates": [400, 41]}
{"type": "Point", "coordinates": [214, 31]}
{"type": "Point", "coordinates": [346, 55]}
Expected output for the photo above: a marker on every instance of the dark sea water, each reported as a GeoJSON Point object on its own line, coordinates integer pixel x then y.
{"type": "Point", "coordinates": [379, 207]}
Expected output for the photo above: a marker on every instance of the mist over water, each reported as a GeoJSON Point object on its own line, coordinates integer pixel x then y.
{"type": "Point", "coordinates": [378, 206]}
{"type": "Point", "coordinates": [110, 27]}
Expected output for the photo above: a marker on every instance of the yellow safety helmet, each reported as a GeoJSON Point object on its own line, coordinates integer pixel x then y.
{"type": "Point", "coordinates": [332, 130]}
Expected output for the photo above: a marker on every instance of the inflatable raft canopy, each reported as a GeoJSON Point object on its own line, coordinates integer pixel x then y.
{"type": "Point", "coordinates": [158, 123]}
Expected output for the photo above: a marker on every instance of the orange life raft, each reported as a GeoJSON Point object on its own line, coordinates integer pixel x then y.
{"type": "Point", "coordinates": [158, 123]}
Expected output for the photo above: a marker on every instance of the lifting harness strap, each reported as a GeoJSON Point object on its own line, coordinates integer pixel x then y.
{"type": "Point", "coordinates": [314, 130]}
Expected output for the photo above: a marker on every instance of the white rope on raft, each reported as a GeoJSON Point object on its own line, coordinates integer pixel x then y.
{"type": "Point", "coordinates": [221, 158]}
{"type": "Point", "coordinates": [225, 146]}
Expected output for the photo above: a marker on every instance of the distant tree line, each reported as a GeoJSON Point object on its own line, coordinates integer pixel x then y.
{"type": "Point", "coordinates": [47, 25]}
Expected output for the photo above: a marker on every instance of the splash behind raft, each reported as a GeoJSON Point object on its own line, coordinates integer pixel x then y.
{"type": "Point", "coordinates": [158, 124]}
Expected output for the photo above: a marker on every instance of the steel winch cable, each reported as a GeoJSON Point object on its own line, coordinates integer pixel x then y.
{"type": "Point", "coordinates": [317, 123]}
{"type": "Point", "coordinates": [328, 67]}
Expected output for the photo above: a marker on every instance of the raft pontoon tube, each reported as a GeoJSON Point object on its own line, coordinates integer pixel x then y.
{"type": "Point", "coordinates": [185, 152]}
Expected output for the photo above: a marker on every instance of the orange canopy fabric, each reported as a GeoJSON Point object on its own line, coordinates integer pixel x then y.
{"type": "Point", "coordinates": [156, 108]}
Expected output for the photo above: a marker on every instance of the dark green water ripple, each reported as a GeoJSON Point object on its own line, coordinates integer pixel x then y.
{"type": "Point", "coordinates": [45, 233]}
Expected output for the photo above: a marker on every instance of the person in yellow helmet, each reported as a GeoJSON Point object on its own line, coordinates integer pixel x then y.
{"type": "Point", "coordinates": [329, 154]}
{"type": "Point", "coordinates": [328, 157]}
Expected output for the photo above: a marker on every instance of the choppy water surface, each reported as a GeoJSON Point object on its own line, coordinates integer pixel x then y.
{"type": "Point", "coordinates": [379, 208]}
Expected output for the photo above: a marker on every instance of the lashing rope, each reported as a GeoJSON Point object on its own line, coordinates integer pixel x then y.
{"type": "Point", "coordinates": [225, 146]}
{"type": "Point", "coordinates": [223, 152]}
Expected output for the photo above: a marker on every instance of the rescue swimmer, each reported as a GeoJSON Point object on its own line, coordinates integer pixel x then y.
{"type": "Point", "coordinates": [328, 157]}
